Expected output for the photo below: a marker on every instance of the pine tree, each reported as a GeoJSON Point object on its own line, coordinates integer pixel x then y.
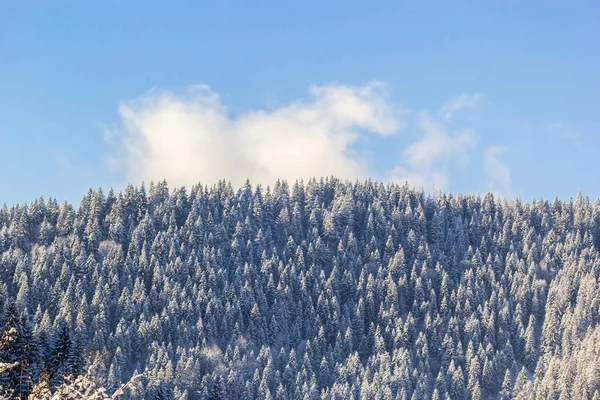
{"type": "Point", "coordinates": [18, 352]}
{"type": "Point", "coordinates": [506, 385]}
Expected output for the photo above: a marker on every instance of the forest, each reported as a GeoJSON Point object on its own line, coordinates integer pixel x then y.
{"type": "Point", "coordinates": [325, 289]}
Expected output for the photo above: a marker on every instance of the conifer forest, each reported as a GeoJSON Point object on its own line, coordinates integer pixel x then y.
{"type": "Point", "coordinates": [324, 289]}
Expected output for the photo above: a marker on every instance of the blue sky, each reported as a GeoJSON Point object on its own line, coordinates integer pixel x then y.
{"type": "Point", "coordinates": [91, 93]}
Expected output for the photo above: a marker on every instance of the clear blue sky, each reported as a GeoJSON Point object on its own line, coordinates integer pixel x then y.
{"type": "Point", "coordinates": [66, 66]}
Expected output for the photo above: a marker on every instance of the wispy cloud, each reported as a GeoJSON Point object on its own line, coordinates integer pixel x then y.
{"type": "Point", "coordinates": [192, 138]}
{"type": "Point", "coordinates": [438, 144]}
{"type": "Point", "coordinates": [461, 102]}
{"type": "Point", "coordinates": [427, 161]}
{"type": "Point", "coordinates": [427, 179]}
{"type": "Point", "coordinates": [565, 132]}
{"type": "Point", "coordinates": [497, 172]}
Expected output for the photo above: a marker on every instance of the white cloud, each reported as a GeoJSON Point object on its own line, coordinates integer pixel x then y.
{"type": "Point", "coordinates": [437, 144]}
{"type": "Point", "coordinates": [497, 172]}
{"type": "Point", "coordinates": [426, 179]}
{"type": "Point", "coordinates": [193, 138]}
{"type": "Point", "coordinates": [565, 132]}
{"type": "Point", "coordinates": [426, 163]}
{"type": "Point", "coordinates": [461, 102]}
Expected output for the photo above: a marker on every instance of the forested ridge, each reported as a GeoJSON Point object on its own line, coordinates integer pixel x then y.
{"type": "Point", "coordinates": [319, 290]}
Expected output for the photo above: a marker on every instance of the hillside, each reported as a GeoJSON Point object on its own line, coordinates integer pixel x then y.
{"type": "Point", "coordinates": [328, 289]}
